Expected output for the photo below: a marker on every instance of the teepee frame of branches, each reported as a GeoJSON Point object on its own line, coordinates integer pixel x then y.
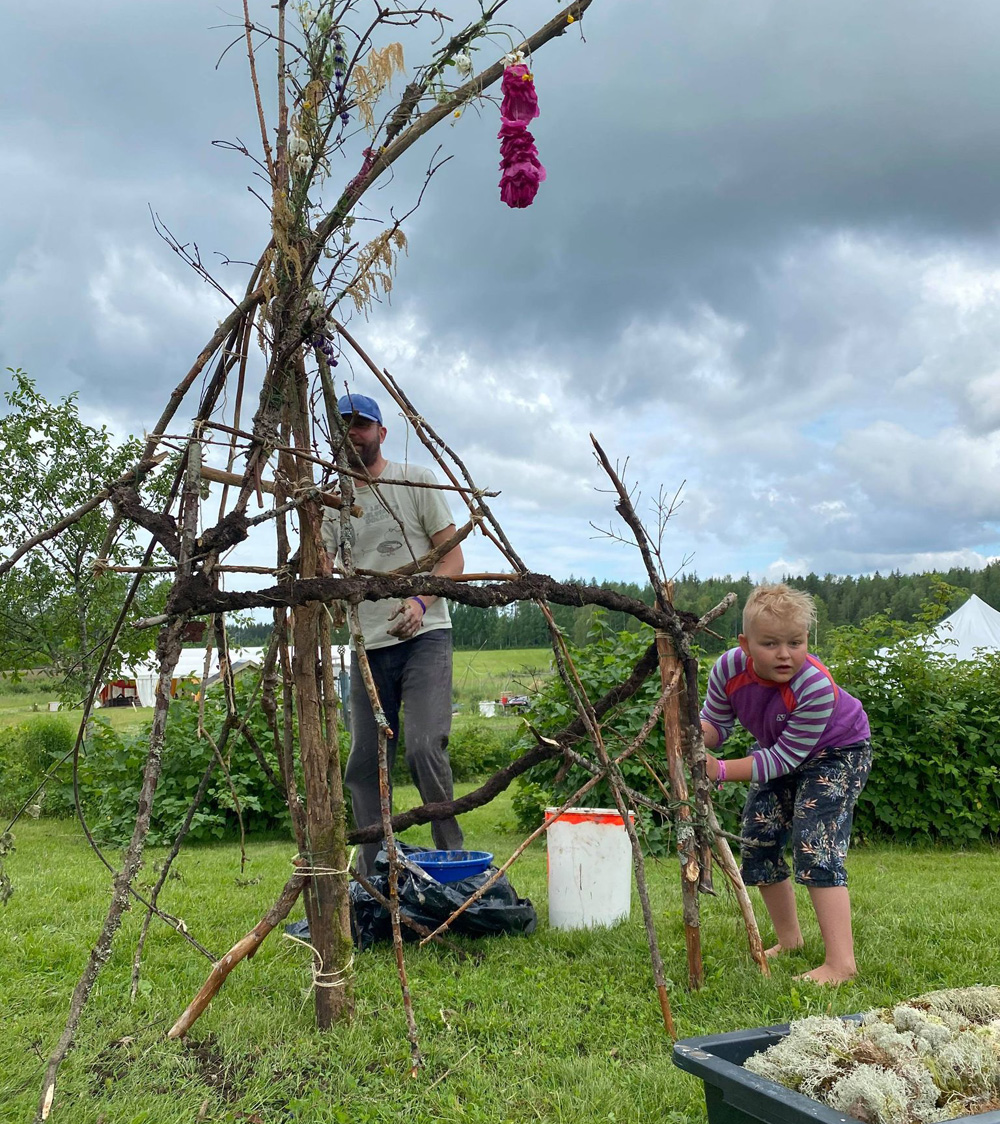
{"type": "Point", "coordinates": [334, 68]}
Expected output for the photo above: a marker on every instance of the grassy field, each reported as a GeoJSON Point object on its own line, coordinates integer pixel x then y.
{"type": "Point", "coordinates": [477, 675]}
{"type": "Point", "coordinates": [489, 675]}
{"type": "Point", "coordinates": [23, 702]}
{"type": "Point", "coordinates": [560, 1027]}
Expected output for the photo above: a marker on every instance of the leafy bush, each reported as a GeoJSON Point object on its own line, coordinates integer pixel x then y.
{"type": "Point", "coordinates": [20, 687]}
{"type": "Point", "coordinates": [606, 660]}
{"type": "Point", "coordinates": [935, 733]}
{"type": "Point", "coordinates": [27, 752]}
{"type": "Point", "coordinates": [476, 750]}
{"type": "Point", "coordinates": [111, 776]}
{"type": "Point", "coordinates": [935, 727]}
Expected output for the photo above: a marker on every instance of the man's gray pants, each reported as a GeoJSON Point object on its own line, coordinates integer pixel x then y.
{"type": "Point", "coordinates": [414, 675]}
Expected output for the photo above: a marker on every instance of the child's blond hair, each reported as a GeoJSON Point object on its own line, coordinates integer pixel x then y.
{"type": "Point", "coordinates": [780, 602]}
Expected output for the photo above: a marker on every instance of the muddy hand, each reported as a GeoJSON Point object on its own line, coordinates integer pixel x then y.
{"type": "Point", "coordinates": [409, 617]}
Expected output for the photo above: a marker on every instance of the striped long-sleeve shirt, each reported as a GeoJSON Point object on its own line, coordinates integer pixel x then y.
{"type": "Point", "coordinates": [791, 721]}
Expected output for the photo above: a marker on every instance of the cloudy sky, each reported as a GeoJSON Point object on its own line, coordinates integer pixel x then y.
{"type": "Point", "coordinates": [766, 262]}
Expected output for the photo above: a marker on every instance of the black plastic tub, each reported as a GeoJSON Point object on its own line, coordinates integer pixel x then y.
{"type": "Point", "coordinates": [734, 1095]}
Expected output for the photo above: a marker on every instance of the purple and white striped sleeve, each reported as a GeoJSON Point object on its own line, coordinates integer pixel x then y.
{"type": "Point", "coordinates": [718, 711]}
{"type": "Point", "coordinates": [815, 699]}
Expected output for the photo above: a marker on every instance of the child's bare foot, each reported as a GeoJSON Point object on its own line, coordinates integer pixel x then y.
{"type": "Point", "coordinates": [778, 949]}
{"type": "Point", "coordinates": [827, 976]}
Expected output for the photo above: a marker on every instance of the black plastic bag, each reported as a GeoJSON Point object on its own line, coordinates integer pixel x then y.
{"type": "Point", "coordinates": [498, 911]}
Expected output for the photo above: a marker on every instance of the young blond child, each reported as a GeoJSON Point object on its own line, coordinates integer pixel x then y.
{"type": "Point", "coordinates": [809, 765]}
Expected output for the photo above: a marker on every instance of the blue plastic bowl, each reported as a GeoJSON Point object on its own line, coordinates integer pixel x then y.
{"type": "Point", "coordinates": [452, 866]}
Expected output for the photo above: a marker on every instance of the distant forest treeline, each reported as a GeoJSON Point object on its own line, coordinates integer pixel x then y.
{"type": "Point", "coordinates": [839, 601]}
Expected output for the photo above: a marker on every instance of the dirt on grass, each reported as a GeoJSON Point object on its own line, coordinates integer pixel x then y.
{"type": "Point", "coordinates": [221, 1076]}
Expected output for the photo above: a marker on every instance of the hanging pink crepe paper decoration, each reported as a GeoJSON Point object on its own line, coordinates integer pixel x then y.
{"type": "Point", "coordinates": [520, 102]}
{"type": "Point", "coordinates": [521, 170]}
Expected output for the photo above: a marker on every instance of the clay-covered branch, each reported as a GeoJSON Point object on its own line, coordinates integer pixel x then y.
{"type": "Point", "coordinates": [195, 595]}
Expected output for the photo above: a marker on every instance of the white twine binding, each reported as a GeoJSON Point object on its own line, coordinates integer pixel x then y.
{"type": "Point", "coordinates": [323, 871]}
{"type": "Point", "coordinates": [337, 978]}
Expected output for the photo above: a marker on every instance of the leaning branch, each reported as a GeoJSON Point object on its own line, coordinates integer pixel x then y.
{"type": "Point", "coordinates": [133, 476]}
{"type": "Point", "coordinates": [196, 595]}
{"type": "Point", "coordinates": [243, 948]}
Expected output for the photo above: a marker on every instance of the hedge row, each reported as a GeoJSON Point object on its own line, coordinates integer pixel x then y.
{"type": "Point", "coordinates": [935, 728]}
{"type": "Point", "coordinates": [110, 771]}
{"type": "Point", "coordinates": [935, 731]}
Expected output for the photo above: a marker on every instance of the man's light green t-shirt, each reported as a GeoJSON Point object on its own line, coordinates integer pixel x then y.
{"type": "Point", "coordinates": [396, 528]}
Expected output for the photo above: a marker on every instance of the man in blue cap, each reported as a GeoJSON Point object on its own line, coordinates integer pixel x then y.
{"type": "Point", "coordinates": [409, 642]}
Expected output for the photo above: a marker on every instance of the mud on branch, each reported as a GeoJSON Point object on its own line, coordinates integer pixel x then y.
{"type": "Point", "coordinates": [195, 595]}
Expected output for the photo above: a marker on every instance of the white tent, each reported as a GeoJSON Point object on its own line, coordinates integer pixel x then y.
{"type": "Point", "coordinates": [190, 665]}
{"type": "Point", "coordinates": [973, 627]}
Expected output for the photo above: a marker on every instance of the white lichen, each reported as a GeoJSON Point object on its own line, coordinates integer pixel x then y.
{"type": "Point", "coordinates": [976, 1004]}
{"type": "Point", "coordinates": [871, 1093]}
{"type": "Point", "coordinates": [935, 1058]}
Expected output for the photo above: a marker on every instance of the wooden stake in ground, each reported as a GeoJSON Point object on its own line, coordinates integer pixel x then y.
{"type": "Point", "coordinates": [578, 694]}
{"type": "Point", "coordinates": [687, 736]}
{"type": "Point", "coordinates": [670, 667]}
{"type": "Point", "coordinates": [327, 900]}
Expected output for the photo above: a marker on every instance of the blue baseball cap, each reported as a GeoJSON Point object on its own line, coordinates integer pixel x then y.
{"type": "Point", "coordinates": [361, 405]}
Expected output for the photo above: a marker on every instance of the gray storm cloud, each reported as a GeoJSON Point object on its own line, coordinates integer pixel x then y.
{"type": "Point", "coordinates": [765, 261]}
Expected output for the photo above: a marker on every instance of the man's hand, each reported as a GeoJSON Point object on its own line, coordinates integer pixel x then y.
{"type": "Point", "coordinates": [411, 616]}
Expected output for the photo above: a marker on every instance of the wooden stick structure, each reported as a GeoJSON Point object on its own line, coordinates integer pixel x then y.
{"type": "Point", "coordinates": [694, 834]}
{"type": "Point", "coordinates": [328, 499]}
{"type": "Point", "coordinates": [295, 452]}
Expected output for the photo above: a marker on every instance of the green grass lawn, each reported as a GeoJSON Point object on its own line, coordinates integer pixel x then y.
{"type": "Point", "coordinates": [20, 705]}
{"type": "Point", "coordinates": [477, 675]}
{"type": "Point", "coordinates": [552, 1027]}
{"type": "Point", "coordinates": [491, 674]}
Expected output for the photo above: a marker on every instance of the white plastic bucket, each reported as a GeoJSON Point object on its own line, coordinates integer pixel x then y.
{"type": "Point", "coordinates": [590, 868]}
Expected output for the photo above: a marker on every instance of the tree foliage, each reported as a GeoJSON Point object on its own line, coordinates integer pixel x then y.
{"type": "Point", "coordinates": [28, 750]}
{"type": "Point", "coordinates": [110, 775]}
{"type": "Point", "coordinates": [54, 610]}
